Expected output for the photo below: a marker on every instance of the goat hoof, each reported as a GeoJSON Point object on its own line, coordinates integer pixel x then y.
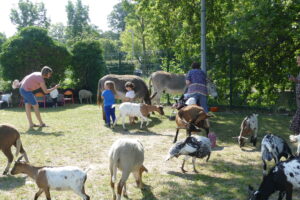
{"type": "Point", "coordinates": [183, 171]}
{"type": "Point", "coordinates": [196, 171]}
{"type": "Point", "coordinates": [5, 172]}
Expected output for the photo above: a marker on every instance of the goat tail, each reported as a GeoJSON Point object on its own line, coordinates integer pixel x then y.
{"type": "Point", "coordinates": [18, 146]}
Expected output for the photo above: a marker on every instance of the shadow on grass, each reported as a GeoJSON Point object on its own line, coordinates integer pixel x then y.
{"type": "Point", "coordinates": [147, 193]}
{"type": "Point", "coordinates": [212, 185]}
{"type": "Point", "coordinates": [47, 109]}
{"type": "Point", "coordinates": [40, 132]}
{"type": "Point", "coordinates": [11, 182]}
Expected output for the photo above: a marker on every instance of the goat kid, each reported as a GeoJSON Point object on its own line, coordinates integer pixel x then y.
{"type": "Point", "coordinates": [285, 176]}
{"type": "Point", "coordinates": [137, 110]}
{"type": "Point", "coordinates": [249, 127]}
{"type": "Point", "coordinates": [192, 118]}
{"type": "Point", "coordinates": [7, 98]}
{"type": "Point", "coordinates": [128, 156]}
{"type": "Point", "coordinates": [57, 178]}
{"type": "Point", "coordinates": [274, 147]}
{"type": "Point", "coordinates": [9, 136]}
{"type": "Point", "coordinates": [296, 138]}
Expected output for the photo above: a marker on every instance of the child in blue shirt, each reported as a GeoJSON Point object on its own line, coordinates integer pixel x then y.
{"type": "Point", "coordinates": [109, 99]}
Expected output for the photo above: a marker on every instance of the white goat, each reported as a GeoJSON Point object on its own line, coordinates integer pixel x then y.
{"type": "Point", "coordinates": [128, 156]}
{"type": "Point", "coordinates": [85, 94]}
{"type": "Point", "coordinates": [7, 98]}
{"type": "Point", "coordinates": [57, 178]}
{"type": "Point", "coordinates": [137, 110]}
{"type": "Point", "coordinates": [296, 138]}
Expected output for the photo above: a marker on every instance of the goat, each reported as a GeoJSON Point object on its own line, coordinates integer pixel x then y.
{"type": "Point", "coordinates": [274, 147]}
{"type": "Point", "coordinates": [9, 136]}
{"type": "Point", "coordinates": [85, 94]}
{"type": "Point", "coordinates": [193, 146]}
{"type": "Point", "coordinates": [249, 127]}
{"type": "Point", "coordinates": [191, 118]}
{"type": "Point", "coordinates": [57, 178]}
{"type": "Point", "coordinates": [128, 156]}
{"type": "Point", "coordinates": [296, 138]}
{"type": "Point", "coordinates": [283, 177]}
{"type": "Point", "coordinates": [137, 110]}
{"type": "Point", "coordinates": [7, 98]}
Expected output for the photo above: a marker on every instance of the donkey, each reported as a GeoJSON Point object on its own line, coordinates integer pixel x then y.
{"type": "Point", "coordinates": [141, 89]}
{"type": "Point", "coordinates": [173, 84]}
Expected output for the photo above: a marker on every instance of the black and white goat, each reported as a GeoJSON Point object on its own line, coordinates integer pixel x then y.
{"type": "Point", "coordinates": [285, 176]}
{"type": "Point", "coordinates": [274, 147]}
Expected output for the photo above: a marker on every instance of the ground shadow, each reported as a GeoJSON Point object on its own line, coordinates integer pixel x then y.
{"type": "Point", "coordinates": [147, 193]}
{"type": "Point", "coordinates": [39, 131]}
{"type": "Point", "coordinates": [254, 149]}
{"type": "Point", "coordinates": [47, 109]}
{"type": "Point", "coordinates": [11, 182]}
{"type": "Point", "coordinates": [218, 148]}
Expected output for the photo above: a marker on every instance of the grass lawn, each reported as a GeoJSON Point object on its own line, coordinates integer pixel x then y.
{"type": "Point", "coordinates": [76, 136]}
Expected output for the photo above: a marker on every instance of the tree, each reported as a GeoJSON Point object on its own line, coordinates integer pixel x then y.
{"type": "Point", "coordinates": [58, 32]}
{"type": "Point", "coordinates": [29, 14]}
{"type": "Point", "coordinates": [78, 20]}
{"type": "Point", "coordinates": [117, 17]}
{"type": "Point", "coordinates": [87, 64]}
{"type": "Point", "coordinates": [29, 51]}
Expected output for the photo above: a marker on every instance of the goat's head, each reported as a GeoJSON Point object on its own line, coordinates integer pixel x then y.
{"type": "Point", "coordinates": [19, 166]}
{"type": "Point", "coordinates": [294, 138]}
{"type": "Point", "coordinates": [138, 175]}
{"type": "Point", "coordinates": [160, 110]}
{"type": "Point", "coordinates": [253, 194]}
{"type": "Point", "coordinates": [241, 140]}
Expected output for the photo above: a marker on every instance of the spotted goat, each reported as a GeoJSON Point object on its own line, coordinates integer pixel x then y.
{"type": "Point", "coordinates": [56, 178]}
{"type": "Point", "coordinates": [274, 147]}
{"type": "Point", "coordinates": [283, 177]}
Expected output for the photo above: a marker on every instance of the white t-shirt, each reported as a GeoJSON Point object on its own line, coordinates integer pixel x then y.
{"type": "Point", "coordinates": [130, 94]}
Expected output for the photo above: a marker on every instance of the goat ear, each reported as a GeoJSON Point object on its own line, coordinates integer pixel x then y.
{"type": "Point", "coordinates": [250, 188]}
{"type": "Point", "coordinates": [235, 137]}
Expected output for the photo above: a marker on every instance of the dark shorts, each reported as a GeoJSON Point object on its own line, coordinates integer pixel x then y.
{"type": "Point", "coordinates": [28, 97]}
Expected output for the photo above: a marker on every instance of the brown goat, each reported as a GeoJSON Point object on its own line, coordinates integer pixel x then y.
{"type": "Point", "coordinates": [10, 136]}
{"type": "Point", "coordinates": [191, 118]}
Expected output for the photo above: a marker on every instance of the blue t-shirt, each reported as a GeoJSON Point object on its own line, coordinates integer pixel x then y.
{"type": "Point", "coordinates": [109, 97]}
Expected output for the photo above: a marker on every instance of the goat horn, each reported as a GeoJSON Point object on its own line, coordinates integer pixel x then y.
{"type": "Point", "coordinates": [235, 137]}
{"type": "Point", "coordinates": [245, 137]}
{"type": "Point", "coordinates": [153, 95]}
{"type": "Point", "coordinates": [20, 158]}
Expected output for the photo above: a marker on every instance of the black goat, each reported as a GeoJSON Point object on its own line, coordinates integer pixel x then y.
{"type": "Point", "coordinates": [284, 177]}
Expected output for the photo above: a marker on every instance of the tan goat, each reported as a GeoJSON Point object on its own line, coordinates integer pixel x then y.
{"type": "Point", "coordinates": [192, 118]}
{"type": "Point", "coordinates": [127, 155]}
{"type": "Point", "coordinates": [9, 136]}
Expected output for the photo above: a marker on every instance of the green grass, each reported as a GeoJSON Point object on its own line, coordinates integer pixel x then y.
{"type": "Point", "coordinates": [76, 136]}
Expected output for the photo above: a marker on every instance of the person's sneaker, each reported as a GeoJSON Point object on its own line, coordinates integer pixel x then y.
{"type": "Point", "coordinates": [107, 125]}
